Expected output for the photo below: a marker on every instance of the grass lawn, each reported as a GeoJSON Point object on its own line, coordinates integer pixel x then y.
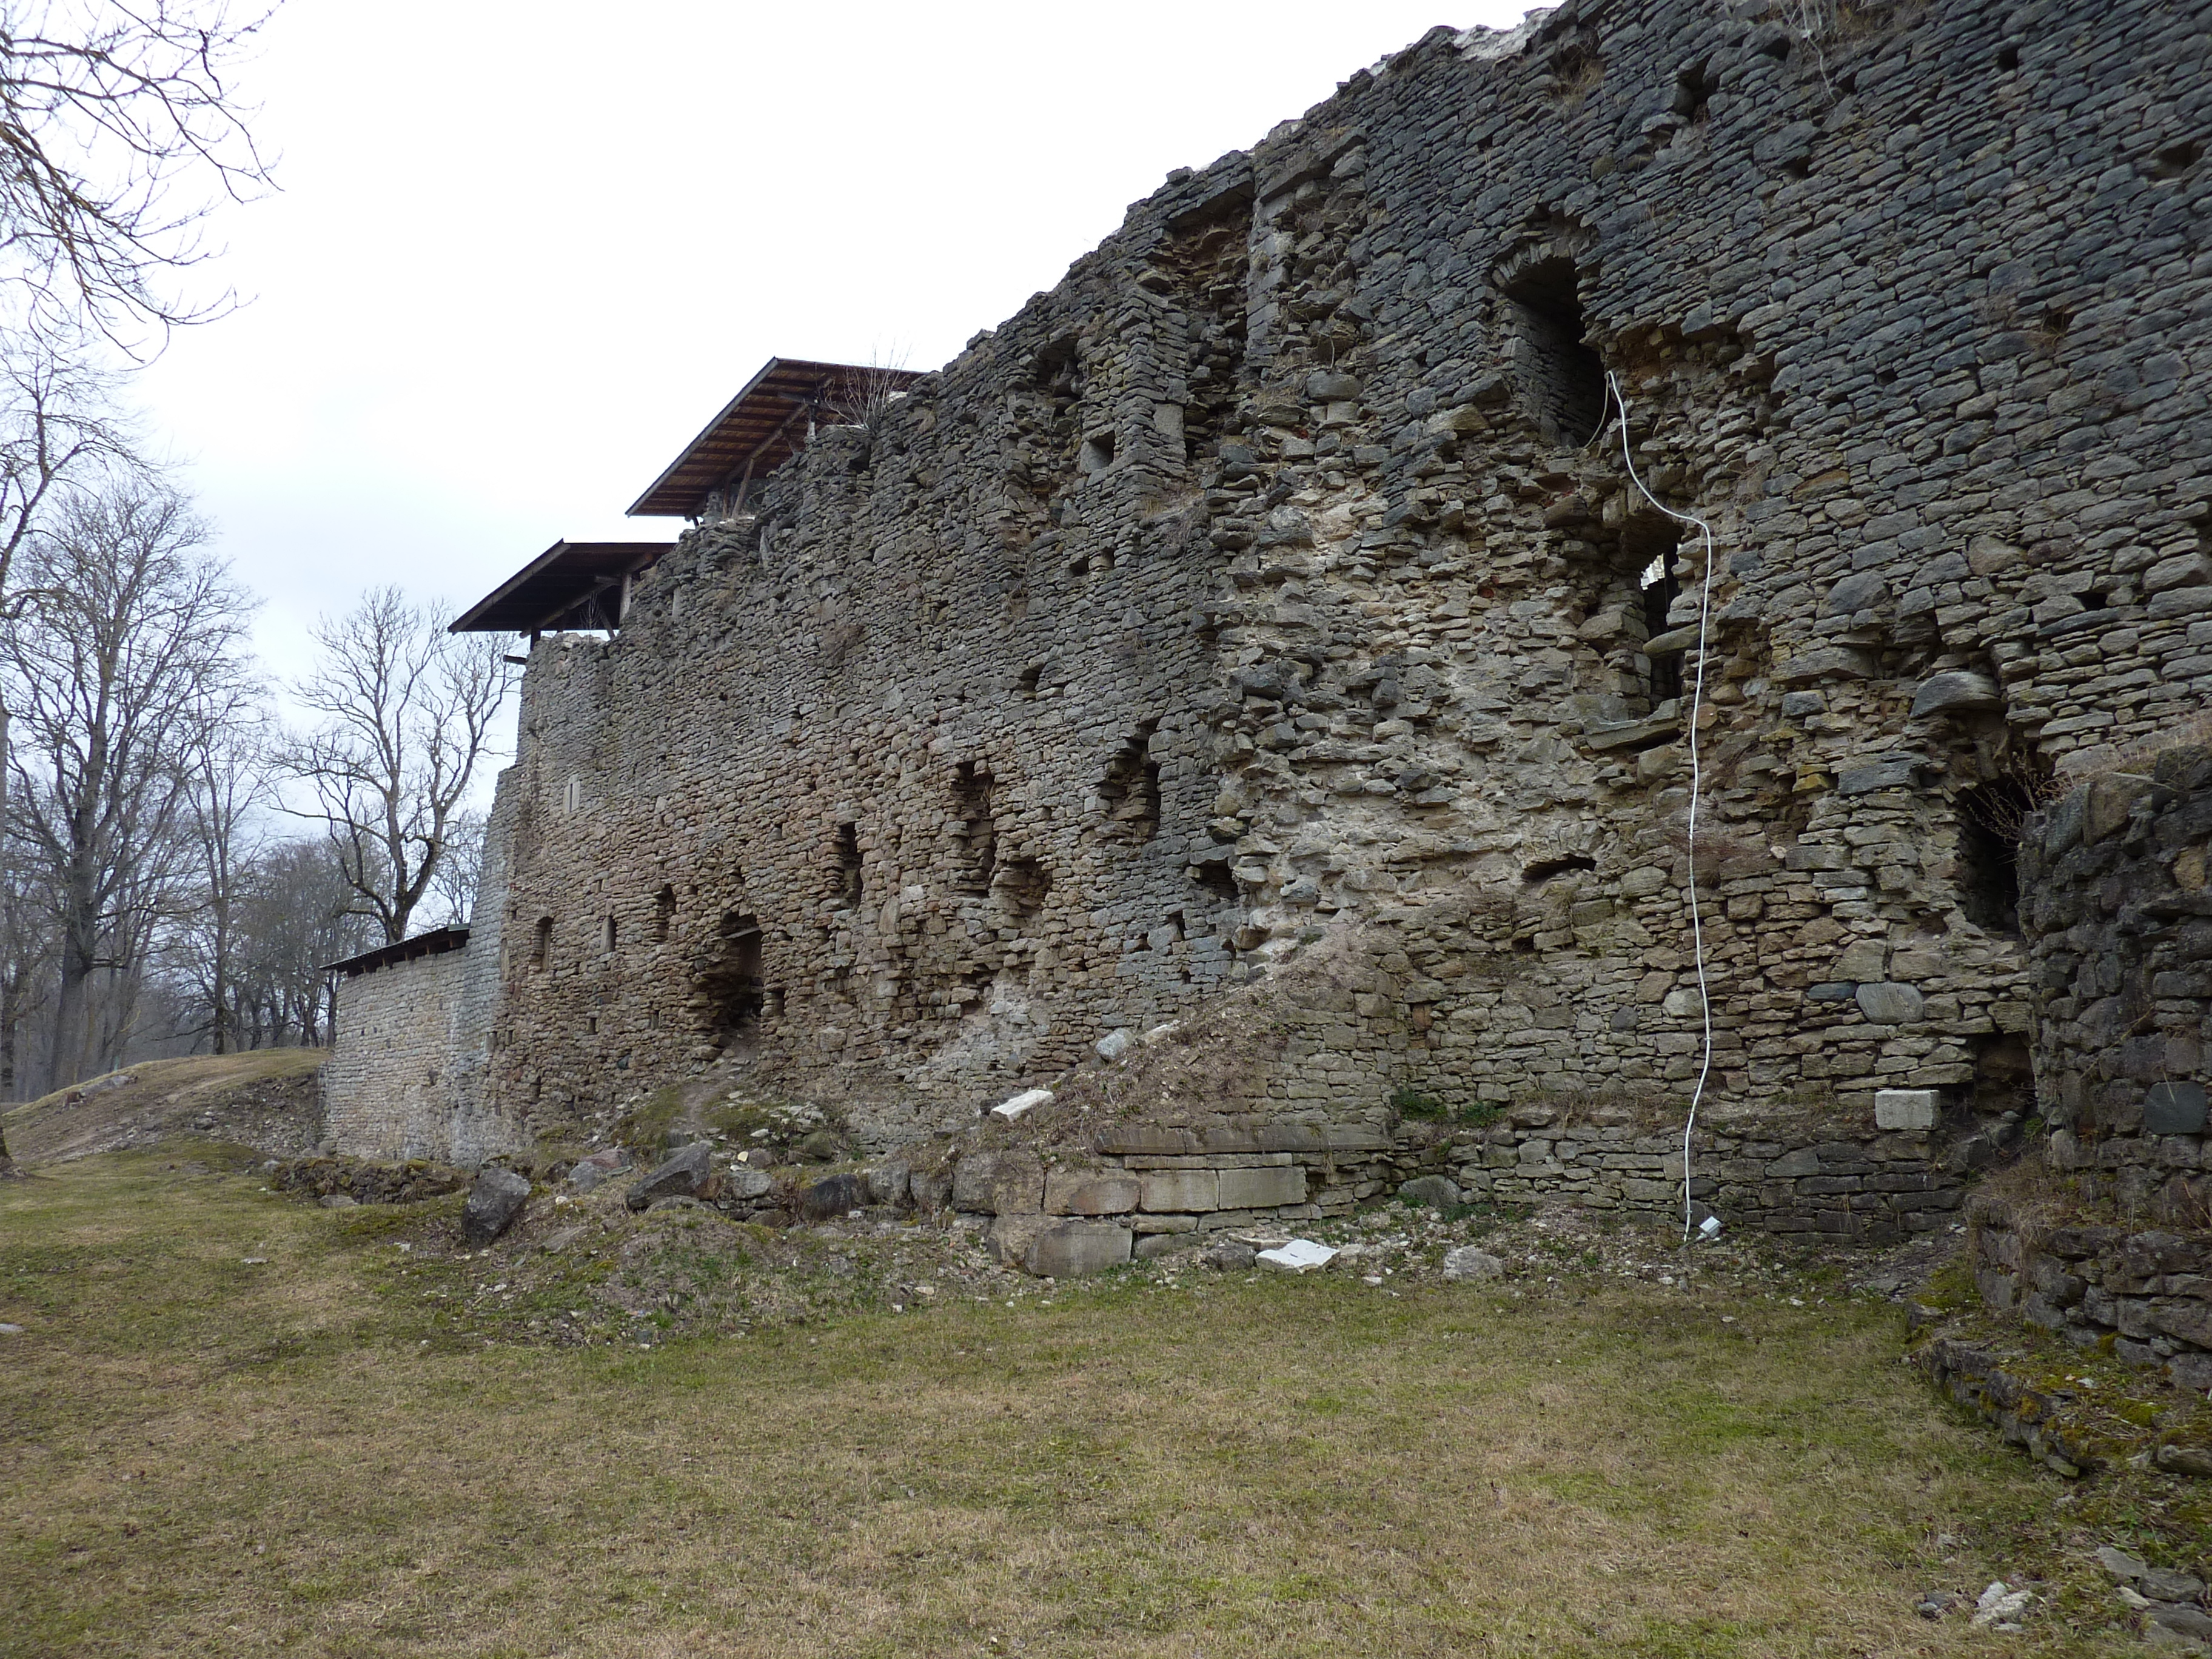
{"type": "Point", "coordinates": [204, 1455]}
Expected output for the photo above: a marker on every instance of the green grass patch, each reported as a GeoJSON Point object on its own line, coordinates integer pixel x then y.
{"type": "Point", "coordinates": [311, 1452]}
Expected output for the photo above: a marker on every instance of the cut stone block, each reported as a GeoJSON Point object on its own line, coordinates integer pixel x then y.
{"type": "Point", "coordinates": [1068, 1249]}
{"type": "Point", "coordinates": [2173, 1108]}
{"type": "Point", "coordinates": [1893, 1003]}
{"type": "Point", "coordinates": [998, 1184]}
{"type": "Point", "coordinates": [1261, 1189]}
{"type": "Point", "coordinates": [1091, 1192]}
{"type": "Point", "coordinates": [1905, 1108]}
{"type": "Point", "coordinates": [1182, 1189]}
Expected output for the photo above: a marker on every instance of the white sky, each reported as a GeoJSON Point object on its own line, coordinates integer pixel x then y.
{"type": "Point", "coordinates": [523, 252]}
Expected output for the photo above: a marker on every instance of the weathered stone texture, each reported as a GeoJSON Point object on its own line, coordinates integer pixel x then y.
{"type": "Point", "coordinates": [388, 1088]}
{"type": "Point", "coordinates": [1261, 584]}
{"type": "Point", "coordinates": [2119, 914]}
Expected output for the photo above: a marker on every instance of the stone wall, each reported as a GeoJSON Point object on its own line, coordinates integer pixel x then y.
{"type": "Point", "coordinates": [386, 1092]}
{"type": "Point", "coordinates": [1260, 588]}
{"type": "Point", "coordinates": [1167, 1189]}
{"type": "Point", "coordinates": [2119, 921]}
{"type": "Point", "coordinates": [2144, 1294]}
{"type": "Point", "coordinates": [407, 1052]}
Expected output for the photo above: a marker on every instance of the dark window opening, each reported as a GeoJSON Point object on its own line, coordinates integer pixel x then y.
{"type": "Point", "coordinates": [2004, 1076]}
{"type": "Point", "coordinates": [541, 945]}
{"type": "Point", "coordinates": [731, 981]}
{"type": "Point", "coordinates": [2176, 159]}
{"type": "Point", "coordinates": [2095, 600]}
{"type": "Point", "coordinates": [848, 891]}
{"type": "Point", "coordinates": [1694, 91]}
{"type": "Point", "coordinates": [1097, 452]}
{"type": "Point", "coordinates": [1544, 869]}
{"type": "Point", "coordinates": [1660, 582]}
{"type": "Point", "coordinates": [663, 914]}
{"type": "Point", "coordinates": [1131, 788]}
{"type": "Point", "coordinates": [1990, 818]}
{"type": "Point", "coordinates": [1021, 886]}
{"type": "Point", "coordinates": [607, 934]}
{"type": "Point", "coordinates": [2008, 59]}
{"type": "Point", "coordinates": [976, 831]}
{"type": "Point", "coordinates": [1561, 380]}
{"type": "Point", "coordinates": [1213, 876]}
{"type": "Point", "coordinates": [1027, 683]}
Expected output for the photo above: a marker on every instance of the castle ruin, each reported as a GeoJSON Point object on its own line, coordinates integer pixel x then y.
{"type": "Point", "coordinates": [1266, 619]}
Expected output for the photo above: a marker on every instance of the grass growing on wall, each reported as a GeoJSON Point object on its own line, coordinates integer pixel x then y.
{"type": "Point", "coordinates": [205, 1454]}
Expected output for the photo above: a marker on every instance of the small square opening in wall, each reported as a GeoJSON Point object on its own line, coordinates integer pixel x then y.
{"type": "Point", "coordinates": [1096, 454]}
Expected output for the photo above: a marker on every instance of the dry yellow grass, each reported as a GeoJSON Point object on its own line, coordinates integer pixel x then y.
{"type": "Point", "coordinates": [204, 1456]}
{"type": "Point", "coordinates": [160, 1094]}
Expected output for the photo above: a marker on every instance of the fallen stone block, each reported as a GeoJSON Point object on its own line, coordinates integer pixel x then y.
{"type": "Point", "coordinates": [746, 1186]}
{"type": "Point", "coordinates": [1022, 1104]}
{"type": "Point", "coordinates": [1467, 1263]}
{"type": "Point", "coordinates": [493, 1202]}
{"type": "Point", "coordinates": [589, 1171]}
{"type": "Point", "coordinates": [681, 1177]}
{"type": "Point", "coordinates": [1069, 1249]}
{"type": "Point", "coordinates": [1300, 1255]}
{"type": "Point", "coordinates": [833, 1196]}
{"type": "Point", "coordinates": [1230, 1255]}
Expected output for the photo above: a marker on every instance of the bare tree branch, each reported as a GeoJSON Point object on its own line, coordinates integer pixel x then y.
{"type": "Point", "coordinates": [120, 129]}
{"type": "Point", "coordinates": [405, 713]}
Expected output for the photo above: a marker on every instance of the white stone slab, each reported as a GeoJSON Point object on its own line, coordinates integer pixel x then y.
{"type": "Point", "coordinates": [1905, 1108]}
{"type": "Point", "coordinates": [1300, 1255]}
{"type": "Point", "coordinates": [1023, 1103]}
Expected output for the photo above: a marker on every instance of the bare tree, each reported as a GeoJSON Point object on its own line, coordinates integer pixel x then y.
{"type": "Point", "coordinates": [452, 892]}
{"type": "Point", "coordinates": [406, 711]}
{"type": "Point", "coordinates": [119, 130]}
{"type": "Point", "coordinates": [228, 772]}
{"type": "Point", "coordinates": [127, 657]}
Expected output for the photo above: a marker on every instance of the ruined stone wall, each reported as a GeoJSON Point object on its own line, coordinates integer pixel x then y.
{"type": "Point", "coordinates": [1261, 584]}
{"type": "Point", "coordinates": [386, 1087]}
{"type": "Point", "coordinates": [2119, 919]}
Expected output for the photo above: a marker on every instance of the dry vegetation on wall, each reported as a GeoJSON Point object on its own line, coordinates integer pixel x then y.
{"type": "Point", "coordinates": [236, 1424]}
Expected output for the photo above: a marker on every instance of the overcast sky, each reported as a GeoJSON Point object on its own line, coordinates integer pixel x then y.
{"type": "Point", "coordinates": [523, 252]}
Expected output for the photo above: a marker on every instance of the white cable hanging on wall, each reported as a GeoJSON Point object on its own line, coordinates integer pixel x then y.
{"type": "Point", "coordinates": [1697, 787]}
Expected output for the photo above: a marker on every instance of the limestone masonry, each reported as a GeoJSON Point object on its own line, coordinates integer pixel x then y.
{"type": "Point", "coordinates": [1260, 634]}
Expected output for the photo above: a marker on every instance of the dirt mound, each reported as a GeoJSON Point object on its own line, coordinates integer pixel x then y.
{"type": "Point", "coordinates": [265, 1098]}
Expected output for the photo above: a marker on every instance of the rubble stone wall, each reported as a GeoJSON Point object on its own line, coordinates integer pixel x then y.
{"type": "Point", "coordinates": [2119, 919]}
{"type": "Point", "coordinates": [2145, 1294]}
{"type": "Point", "coordinates": [1262, 585]}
